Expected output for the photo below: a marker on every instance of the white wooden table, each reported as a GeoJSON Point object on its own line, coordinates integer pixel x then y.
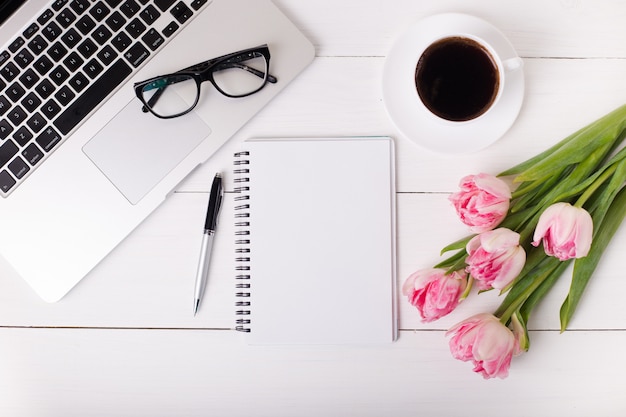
{"type": "Point", "coordinates": [124, 342]}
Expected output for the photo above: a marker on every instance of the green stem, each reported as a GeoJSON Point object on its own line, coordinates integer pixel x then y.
{"type": "Point", "coordinates": [594, 186]}
{"type": "Point", "coordinates": [521, 299]}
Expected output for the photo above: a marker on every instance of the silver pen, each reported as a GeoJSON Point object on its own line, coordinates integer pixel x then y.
{"type": "Point", "coordinates": [215, 201]}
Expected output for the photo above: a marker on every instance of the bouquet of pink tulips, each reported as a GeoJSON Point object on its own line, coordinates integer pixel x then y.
{"type": "Point", "coordinates": [567, 204]}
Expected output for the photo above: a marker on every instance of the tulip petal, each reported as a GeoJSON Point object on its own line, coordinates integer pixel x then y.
{"type": "Point", "coordinates": [566, 231]}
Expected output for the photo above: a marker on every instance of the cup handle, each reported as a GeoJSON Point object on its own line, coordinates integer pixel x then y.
{"type": "Point", "coordinates": [512, 64]}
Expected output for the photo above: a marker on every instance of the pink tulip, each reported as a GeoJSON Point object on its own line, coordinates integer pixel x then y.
{"type": "Point", "coordinates": [434, 293]}
{"type": "Point", "coordinates": [486, 342]}
{"type": "Point", "coordinates": [495, 258]}
{"type": "Point", "coordinates": [566, 231]}
{"type": "Point", "coordinates": [483, 201]}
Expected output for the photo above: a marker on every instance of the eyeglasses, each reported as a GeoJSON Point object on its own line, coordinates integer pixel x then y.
{"type": "Point", "coordinates": [239, 74]}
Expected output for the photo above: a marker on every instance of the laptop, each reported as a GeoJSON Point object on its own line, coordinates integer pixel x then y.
{"type": "Point", "coordinates": [81, 163]}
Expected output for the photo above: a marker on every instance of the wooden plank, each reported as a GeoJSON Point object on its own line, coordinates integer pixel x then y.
{"type": "Point", "coordinates": [148, 281]}
{"type": "Point", "coordinates": [536, 28]}
{"type": "Point", "coordinates": [198, 373]}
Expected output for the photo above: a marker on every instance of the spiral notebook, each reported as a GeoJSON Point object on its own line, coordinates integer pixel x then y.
{"type": "Point", "coordinates": [316, 241]}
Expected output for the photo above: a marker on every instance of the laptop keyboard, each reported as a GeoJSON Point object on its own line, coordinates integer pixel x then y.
{"type": "Point", "coordinates": [65, 63]}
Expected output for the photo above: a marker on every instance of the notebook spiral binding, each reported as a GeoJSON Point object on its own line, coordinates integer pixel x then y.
{"type": "Point", "coordinates": [242, 240]}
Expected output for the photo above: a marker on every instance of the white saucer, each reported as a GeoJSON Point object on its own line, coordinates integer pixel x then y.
{"type": "Point", "coordinates": [402, 102]}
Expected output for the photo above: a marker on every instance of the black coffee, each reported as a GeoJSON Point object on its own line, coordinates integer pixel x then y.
{"type": "Point", "coordinates": [457, 79]}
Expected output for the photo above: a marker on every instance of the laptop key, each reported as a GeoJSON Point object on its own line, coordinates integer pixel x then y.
{"type": "Point", "coordinates": [31, 102]}
{"type": "Point", "coordinates": [150, 14]}
{"type": "Point", "coordinates": [73, 61]}
{"type": "Point", "coordinates": [30, 31]}
{"type": "Point", "coordinates": [4, 57]}
{"type": "Point", "coordinates": [29, 78]}
{"type": "Point", "coordinates": [57, 51]}
{"type": "Point", "coordinates": [36, 122]}
{"type": "Point", "coordinates": [18, 167]}
{"type": "Point", "coordinates": [10, 71]}
{"type": "Point", "coordinates": [4, 105]}
{"type": "Point", "coordinates": [71, 38]}
{"type": "Point", "coordinates": [6, 181]}
{"type": "Point", "coordinates": [38, 44]}
{"type": "Point", "coordinates": [136, 54]}
{"type": "Point", "coordinates": [116, 21]}
{"type": "Point", "coordinates": [164, 4]}
{"type": "Point", "coordinates": [43, 65]}
{"type": "Point", "coordinates": [79, 82]}
{"type": "Point", "coordinates": [92, 96]}
{"type": "Point", "coordinates": [93, 68]}
{"type": "Point", "coordinates": [107, 55]}
{"type": "Point", "coordinates": [87, 48]}
{"type": "Point", "coordinates": [59, 75]}
{"type": "Point", "coordinates": [196, 4]}
{"type": "Point", "coordinates": [64, 95]}
{"type": "Point", "coordinates": [23, 58]}
{"type": "Point", "coordinates": [7, 151]}
{"type": "Point", "coordinates": [45, 16]}
{"type": "Point", "coordinates": [170, 29]}
{"type": "Point", "coordinates": [58, 4]}
{"type": "Point", "coordinates": [15, 92]}
{"type": "Point", "coordinates": [85, 24]}
{"type": "Point", "coordinates": [135, 28]}
{"type": "Point", "coordinates": [45, 88]}
{"type": "Point", "coordinates": [79, 6]}
{"type": "Point", "coordinates": [5, 129]}
{"type": "Point", "coordinates": [52, 31]}
{"type": "Point", "coordinates": [181, 12]}
{"type": "Point", "coordinates": [16, 44]}
{"type": "Point", "coordinates": [153, 39]}
{"type": "Point", "coordinates": [32, 154]}
{"type": "Point", "coordinates": [99, 11]}
{"type": "Point", "coordinates": [48, 139]}
{"type": "Point", "coordinates": [113, 3]}
{"type": "Point", "coordinates": [17, 115]}
{"type": "Point", "coordinates": [22, 136]}
{"type": "Point", "coordinates": [121, 41]}
{"type": "Point", "coordinates": [51, 109]}
{"type": "Point", "coordinates": [101, 35]}
{"type": "Point", "coordinates": [66, 17]}
{"type": "Point", "coordinates": [129, 8]}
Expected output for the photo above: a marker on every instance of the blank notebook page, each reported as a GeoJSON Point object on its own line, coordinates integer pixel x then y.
{"type": "Point", "coordinates": [322, 240]}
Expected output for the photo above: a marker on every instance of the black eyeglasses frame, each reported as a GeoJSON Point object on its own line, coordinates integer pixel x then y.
{"type": "Point", "coordinates": [203, 71]}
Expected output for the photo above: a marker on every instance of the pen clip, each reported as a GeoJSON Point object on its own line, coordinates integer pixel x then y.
{"type": "Point", "coordinates": [219, 206]}
{"type": "Point", "coordinates": [215, 202]}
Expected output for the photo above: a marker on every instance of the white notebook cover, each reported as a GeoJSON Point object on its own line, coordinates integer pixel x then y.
{"type": "Point", "coordinates": [322, 240]}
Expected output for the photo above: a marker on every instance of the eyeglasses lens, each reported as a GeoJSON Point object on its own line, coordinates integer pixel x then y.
{"type": "Point", "coordinates": [171, 95]}
{"type": "Point", "coordinates": [241, 75]}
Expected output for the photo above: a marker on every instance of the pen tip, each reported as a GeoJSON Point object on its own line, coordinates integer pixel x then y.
{"type": "Point", "coordinates": [195, 307]}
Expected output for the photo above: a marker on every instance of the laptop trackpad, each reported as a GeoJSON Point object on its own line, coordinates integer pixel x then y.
{"type": "Point", "coordinates": [135, 150]}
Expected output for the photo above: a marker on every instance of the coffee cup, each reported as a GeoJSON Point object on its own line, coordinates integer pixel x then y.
{"type": "Point", "coordinates": [459, 78]}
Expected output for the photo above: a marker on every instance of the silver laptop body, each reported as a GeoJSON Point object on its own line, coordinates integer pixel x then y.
{"type": "Point", "coordinates": [75, 203]}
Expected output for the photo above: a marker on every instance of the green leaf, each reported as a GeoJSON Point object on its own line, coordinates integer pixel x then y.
{"type": "Point", "coordinates": [542, 289]}
{"type": "Point", "coordinates": [523, 166]}
{"type": "Point", "coordinates": [452, 260]}
{"type": "Point", "coordinates": [584, 267]}
{"type": "Point", "coordinates": [595, 145]}
{"type": "Point", "coordinates": [525, 286]}
{"type": "Point", "coordinates": [459, 244]}
{"type": "Point", "coordinates": [520, 330]}
{"type": "Point", "coordinates": [604, 201]}
{"type": "Point", "coordinates": [575, 148]}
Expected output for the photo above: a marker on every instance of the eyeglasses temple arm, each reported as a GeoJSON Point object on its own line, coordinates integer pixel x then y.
{"type": "Point", "coordinates": [260, 74]}
{"type": "Point", "coordinates": [153, 99]}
